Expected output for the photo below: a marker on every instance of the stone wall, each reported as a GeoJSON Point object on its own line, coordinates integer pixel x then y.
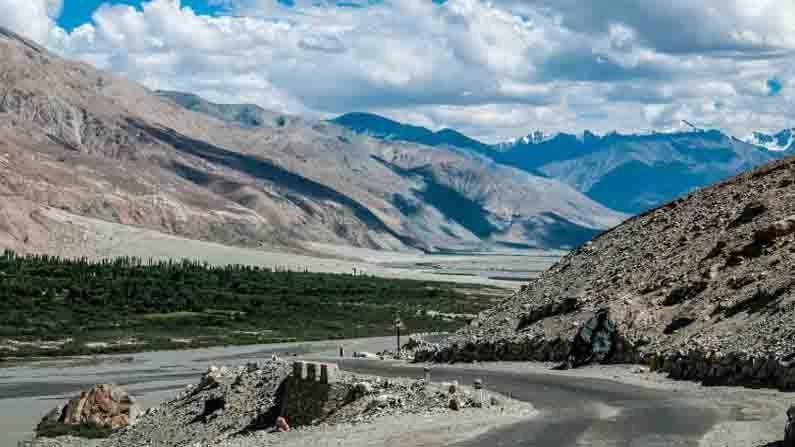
{"type": "Point", "coordinates": [715, 368]}
{"type": "Point", "coordinates": [313, 392]}
{"type": "Point", "coordinates": [710, 368]}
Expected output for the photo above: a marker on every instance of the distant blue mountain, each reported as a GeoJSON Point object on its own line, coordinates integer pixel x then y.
{"type": "Point", "coordinates": [387, 129]}
{"type": "Point", "coordinates": [629, 173]}
{"type": "Point", "coordinates": [633, 173]}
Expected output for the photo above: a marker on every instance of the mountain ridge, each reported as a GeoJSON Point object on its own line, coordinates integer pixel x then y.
{"type": "Point", "coordinates": [97, 145]}
{"type": "Point", "coordinates": [627, 172]}
{"type": "Point", "coordinates": [385, 128]}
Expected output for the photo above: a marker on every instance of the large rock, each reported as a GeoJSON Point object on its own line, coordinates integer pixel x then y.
{"type": "Point", "coordinates": [593, 343]}
{"type": "Point", "coordinates": [776, 230]}
{"type": "Point", "coordinates": [104, 405]}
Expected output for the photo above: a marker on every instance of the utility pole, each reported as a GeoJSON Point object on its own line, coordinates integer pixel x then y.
{"type": "Point", "coordinates": [398, 325]}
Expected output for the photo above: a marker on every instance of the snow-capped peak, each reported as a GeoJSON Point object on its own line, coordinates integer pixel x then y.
{"type": "Point", "coordinates": [779, 142]}
{"type": "Point", "coordinates": [533, 138]}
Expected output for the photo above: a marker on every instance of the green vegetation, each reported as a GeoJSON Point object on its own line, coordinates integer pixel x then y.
{"type": "Point", "coordinates": [127, 305]}
{"type": "Point", "coordinates": [86, 431]}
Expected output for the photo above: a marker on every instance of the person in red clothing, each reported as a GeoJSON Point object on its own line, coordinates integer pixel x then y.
{"type": "Point", "coordinates": [281, 424]}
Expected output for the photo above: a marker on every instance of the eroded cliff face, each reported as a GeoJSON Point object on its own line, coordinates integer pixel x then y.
{"type": "Point", "coordinates": [702, 287]}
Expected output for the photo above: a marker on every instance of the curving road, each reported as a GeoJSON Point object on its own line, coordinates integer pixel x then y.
{"type": "Point", "coordinates": [574, 411]}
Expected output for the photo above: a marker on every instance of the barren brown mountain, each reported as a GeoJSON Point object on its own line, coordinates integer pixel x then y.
{"type": "Point", "coordinates": [703, 288]}
{"type": "Point", "coordinates": [94, 144]}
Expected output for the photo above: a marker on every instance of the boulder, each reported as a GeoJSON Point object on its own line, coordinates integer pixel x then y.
{"type": "Point", "coordinates": [789, 431]}
{"type": "Point", "coordinates": [593, 343]}
{"type": "Point", "coordinates": [104, 405]}
{"type": "Point", "coordinates": [385, 401]}
{"type": "Point", "coordinates": [363, 388]}
{"type": "Point", "coordinates": [777, 230]}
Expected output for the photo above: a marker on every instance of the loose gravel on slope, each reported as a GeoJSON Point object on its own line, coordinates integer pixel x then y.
{"type": "Point", "coordinates": [702, 288]}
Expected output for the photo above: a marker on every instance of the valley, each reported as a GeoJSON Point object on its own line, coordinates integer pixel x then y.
{"type": "Point", "coordinates": [216, 216]}
{"type": "Point", "coordinates": [97, 145]}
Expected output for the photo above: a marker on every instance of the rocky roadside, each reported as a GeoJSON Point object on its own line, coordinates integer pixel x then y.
{"type": "Point", "coordinates": [320, 403]}
{"type": "Point", "coordinates": [701, 289]}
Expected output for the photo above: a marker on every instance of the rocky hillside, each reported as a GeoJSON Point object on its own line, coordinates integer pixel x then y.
{"type": "Point", "coordinates": [702, 288]}
{"type": "Point", "coordinates": [97, 145]}
{"type": "Point", "coordinates": [246, 115]}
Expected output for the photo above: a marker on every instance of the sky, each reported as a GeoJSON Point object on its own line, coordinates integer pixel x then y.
{"type": "Point", "coordinates": [493, 69]}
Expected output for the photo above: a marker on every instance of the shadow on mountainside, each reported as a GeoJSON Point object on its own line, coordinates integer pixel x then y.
{"type": "Point", "coordinates": [452, 204]}
{"type": "Point", "coordinates": [265, 170]}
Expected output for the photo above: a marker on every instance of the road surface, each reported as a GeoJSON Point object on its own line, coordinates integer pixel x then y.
{"type": "Point", "coordinates": [574, 411]}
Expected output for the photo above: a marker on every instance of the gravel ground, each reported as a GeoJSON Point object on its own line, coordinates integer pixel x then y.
{"type": "Point", "coordinates": [400, 430]}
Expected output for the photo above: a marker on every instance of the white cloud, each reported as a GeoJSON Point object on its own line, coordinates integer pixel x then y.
{"type": "Point", "coordinates": [30, 18]}
{"type": "Point", "coordinates": [494, 69]}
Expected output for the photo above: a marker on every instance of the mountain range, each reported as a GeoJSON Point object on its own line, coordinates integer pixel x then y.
{"type": "Point", "coordinates": [628, 173]}
{"type": "Point", "coordinates": [91, 143]}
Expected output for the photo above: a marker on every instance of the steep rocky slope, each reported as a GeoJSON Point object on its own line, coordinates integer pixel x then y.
{"type": "Point", "coordinates": [702, 287]}
{"type": "Point", "coordinates": [97, 145]}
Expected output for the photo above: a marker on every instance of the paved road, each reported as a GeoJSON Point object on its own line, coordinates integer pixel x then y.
{"type": "Point", "coordinates": [575, 411]}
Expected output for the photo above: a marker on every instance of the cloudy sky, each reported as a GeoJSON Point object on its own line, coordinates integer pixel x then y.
{"type": "Point", "coordinates": [493, 69]}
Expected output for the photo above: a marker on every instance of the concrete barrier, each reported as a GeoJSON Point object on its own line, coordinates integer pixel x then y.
{"type": "Point", "coordinates": [314, 392]}
{"type": "Point", "coordinates": [312, 372]}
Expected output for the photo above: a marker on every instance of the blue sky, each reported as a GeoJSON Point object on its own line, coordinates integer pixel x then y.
{"type": "Point", "coordinates": [494, 69]}
{"type": "Point", "coordinates": [78, 12]}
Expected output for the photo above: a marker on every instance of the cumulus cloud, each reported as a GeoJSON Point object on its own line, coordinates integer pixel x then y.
{"type": "Point", "coordinates": [494, 69]}
{"type": "Point", "coordinates": [681, 26]}
{"type": "Point", "coordinates": [30, 18]}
